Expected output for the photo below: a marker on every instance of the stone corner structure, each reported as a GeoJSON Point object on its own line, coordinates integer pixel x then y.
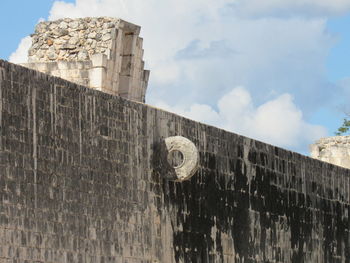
{"type": "Point", "coordinates": [335, 150]}
{"type": "Point", "coordinates": [101, 53]}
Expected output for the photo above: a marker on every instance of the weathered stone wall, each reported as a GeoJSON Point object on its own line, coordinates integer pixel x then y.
{"type": "Point", "coordinates": [83, 179]}
{"type": "Point", "coordinates": [335, 150]}
{"type": "Point", "coordinates": [102, 53]}
{"type": "Point", "coordinates": [73, 39]}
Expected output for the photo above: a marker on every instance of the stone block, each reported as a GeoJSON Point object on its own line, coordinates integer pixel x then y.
{"type": "Point", "coordinates": [63, 65]}
{"type": "Point", "coordinates": [124, 84]}
{"type": "Point", "coordinates": [99, 60]}
{"type": "Point", "coordinates": [97, 77]}
{"type": "Point", "coordinates": [129, 44]}
{"type": "Point", "coordinates": [127, 65]}
{"type": "Point", "coordinates": [146, 74]}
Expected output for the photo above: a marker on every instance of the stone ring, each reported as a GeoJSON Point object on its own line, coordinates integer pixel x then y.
{"type": "Point", "coordinates": [186, 152]}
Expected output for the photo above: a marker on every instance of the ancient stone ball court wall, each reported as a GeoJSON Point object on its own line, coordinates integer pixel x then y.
{"type": "Point", "coordinates": [84, 177]}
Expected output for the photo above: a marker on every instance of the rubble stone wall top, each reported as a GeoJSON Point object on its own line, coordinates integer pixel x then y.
{"type": "Point", "coordinates": [75, 39]}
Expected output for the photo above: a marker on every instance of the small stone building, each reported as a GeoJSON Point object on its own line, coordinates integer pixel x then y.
{"type": "Point", "coordinates": [335, 150]}
{"type": "Point", "coordinates": [101, 53]}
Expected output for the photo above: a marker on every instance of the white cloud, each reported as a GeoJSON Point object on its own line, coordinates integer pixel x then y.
{"type": "Point", "coordinates": [290, 7]}
{"type": "Point", "coordinates": [204, 49]}
{"type": "Point", "coordinates": [163, 73]}
{"type": "Point", "coordinates": [278, 121]}
{"type": "Point", "coordinates": [21, 54]}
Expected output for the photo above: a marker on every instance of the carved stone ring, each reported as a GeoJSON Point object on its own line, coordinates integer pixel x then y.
{"type": "Point", "coordinates": [188, 166]}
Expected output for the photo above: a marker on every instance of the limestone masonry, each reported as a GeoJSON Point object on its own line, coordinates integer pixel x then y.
{"type": "Point", "coordinates": [335, 150]}
{"type": "Point", "coordinates": [91, 177]}
{"type": "Point", "coordinates": [101, 53]}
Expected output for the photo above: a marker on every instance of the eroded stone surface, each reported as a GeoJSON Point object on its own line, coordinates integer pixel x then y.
{"type": "Point", "coordinates": [68, 48]}
{"type": "Point", "coordinates": [335, 150]}
{"type": "Point", "coordinates": [79, 182]}
{"type": "Point", "coordinates": [66, 38]}
{"type": "Point", "coordinates": [189, 166]}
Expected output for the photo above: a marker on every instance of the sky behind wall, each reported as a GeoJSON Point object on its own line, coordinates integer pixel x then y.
{"type": "Point", "coordinates": [277, 71]}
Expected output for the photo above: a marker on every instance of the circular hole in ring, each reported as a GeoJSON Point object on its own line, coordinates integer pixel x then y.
{"type": "Point", "coordinates": [175, 158]}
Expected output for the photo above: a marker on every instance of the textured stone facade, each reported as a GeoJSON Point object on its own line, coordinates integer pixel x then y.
{"type": "Point", "coordinates": [101, 53]}
{"type": "Point", "coordinates": [335, 150]}
{"type": "Point", "coordinates": [84, 178]}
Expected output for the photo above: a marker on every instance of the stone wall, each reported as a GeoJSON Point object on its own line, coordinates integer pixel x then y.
{"type": "Point", "coordinates": [101, 53]}
{"type": "Point", "coordinates": [83, 178]}
{"type": "Point", "coordinates": [335, 150]}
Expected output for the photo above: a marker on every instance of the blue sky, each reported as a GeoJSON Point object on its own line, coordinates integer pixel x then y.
{"type": "Point", "coordinates": [338, 63]}
{"type": "Point", "coordinates": [18, 20]}
{"type": "Point", "coordinates": [277, 71]}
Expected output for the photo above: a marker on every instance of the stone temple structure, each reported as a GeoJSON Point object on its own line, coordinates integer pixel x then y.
{"type": "Point", "coordinates": [335, 150]}
{"type": "Point", "coordinates": [100, 53]}
{"type": "Point", "coordinates": [89, 176]}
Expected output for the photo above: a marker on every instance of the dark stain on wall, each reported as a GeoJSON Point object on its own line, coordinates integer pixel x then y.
{"type": "Point", "coordinates": [258, 199]}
